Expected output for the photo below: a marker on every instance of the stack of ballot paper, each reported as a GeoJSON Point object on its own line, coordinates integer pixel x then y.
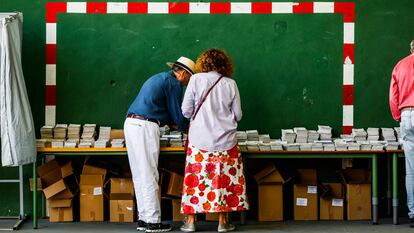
{"type": "Point", "coordinates": [317, 147]}
{"type": "Point", "coordinates": [359, 134]}
{"type": "Point", "coordinates": [89, 131]}
{"type": "Point", "coordinates": [388, 134]}
{"type": "Point", "coordinates": [252, 135]}
{"type": "Point", "coordinates": [86, 143]}
{"type": "Point", "coordinates": [74, 131]}
{"type": "Point", "coordinates": [329, 146]}
{"type": "Point", "coordinates": [265, 138]}
{"type": "Point", "coordinates": [392, 145]}
{"type": "Point", "coordinates": [301, 134]}
{"type": "Point", "coordinates": [373, 134]}
{"type": "Point", "coordinates": [347, 137]}
{"type": "Point", "coordinates": [305, 146]}
{"type": "Point", "coordinates": [252, 145]}
{"type": "Point", "coordinates": [340, 145]}
{"type": "Point", "coordinates": [365, 145]}
{"type": "Point", "coordinates": [174, 142]}
{"type": "Point", "coordinates": [288, 135]}
{"type": "Point", "coordinates": [241, 136]}
{"type": "Point", "coordinates": [104, 137]}
{"type": "Point", "coordinates": [101, 143]}
{"type": "Point", "coordinates": [57, 143]}
{"type": "Point", "coordinates": [185, 137]}
{"type": "Point", "coordinates": [60, 130]}
{"type": "Point", "coordinates": [43, 143]}
{"type": "Point", "coordinates": [71, 143]}
{"type": "Point", "coordinates": [243, 146]}
{"type": "Point", "coordinates": [353, 146]}
{"type": "Point", "coordinates": [164, 142]}
{"type": "Point", "coordinates": [164, 130]}
{"type": "Point", "coordinates": [46, 132]}
{"type": "Point", "coordinates": [313, 135]}
{"type": "Point", "coordinates": [276, 145]}
{"type": "Point", "coordinates": [398, 131]}
{"type": "Point", "coordinates": [118, 143]}
{"type": "Point", "coordinates": [325, 132]}
{"type": "Point", "coordinates": [292, 147]}
{"type": "Point", "coordinates": [378, 145]}
{"type": "Point", "coordinates": [264, 146]}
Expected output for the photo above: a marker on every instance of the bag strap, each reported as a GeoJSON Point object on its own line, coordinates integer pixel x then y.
{"type": "Point", "coordinates": [204, 98]}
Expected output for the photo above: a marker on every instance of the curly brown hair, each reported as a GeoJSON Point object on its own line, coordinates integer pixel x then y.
{"type": "Point", "coordinates": [215, 60]}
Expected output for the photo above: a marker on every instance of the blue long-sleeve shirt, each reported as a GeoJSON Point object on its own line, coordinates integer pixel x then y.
{"type": "Point", "coordinates": [160, 98]}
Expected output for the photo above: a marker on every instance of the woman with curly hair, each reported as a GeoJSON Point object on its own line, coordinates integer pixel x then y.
{"type": "Point", "coordinates": [214, 179]}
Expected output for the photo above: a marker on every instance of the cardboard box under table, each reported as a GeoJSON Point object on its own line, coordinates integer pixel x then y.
{"type": "Point", "coordinates": [270, 193]}
{"type": "Point", "coordinates": [121, 204]}
{"type": "Point", "coordinates": [331, 205]}
{"type": "Point", "coordinates": [305, 195]}
{"type": "Point", "coordinates": [60, 210]}
{"type": "Point", "coordinates": [171, 184]}
{"type": "Point", "coordinates": [91, 198]}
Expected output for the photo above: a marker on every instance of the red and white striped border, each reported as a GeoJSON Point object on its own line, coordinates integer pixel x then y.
{"type": "Point", "coordinates": [347, 9]}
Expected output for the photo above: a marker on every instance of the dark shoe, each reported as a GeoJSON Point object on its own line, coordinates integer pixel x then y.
{"type": "Point", "coordinates": [158, 227]}
{"type": "Point", "coordinates": [412, 222]}
{"type": "Point", "coordinates": [142, 226]}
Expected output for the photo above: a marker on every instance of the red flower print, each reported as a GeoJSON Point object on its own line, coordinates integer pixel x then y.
{"type": "Point", "coordinates": [231, 161]}
{"type": "Point", "coordinates": [232, 201]}
{"type": "Point", "coordinates": [202, 187]}
{"type": "Point", "coordinates": [224, 181]}
{"type": "Point", "coordinates": [237, 189]}
{"type": "Point", "coordinates": [188, 209]}
{"type": "Point", "coordinates": [189, 151]}
{"type": "Point", "coordinates": [210, 155]}
{"type": "Point", "coordinates": [194, 200]}
{"type": "Point", "coordinates": [199, 158]}
{"type": "Point", "coordinates": [190, 191]}
{"type": "Point", "coordinates": [211, 196]}
{"type": "Point", "coordinates": [233, 152]}
{"type": "Point", "coordinates": [201, 194]}
{"type": "Point", "coordinates": [207, 206]}
{"type": "Point", "coordinates": [193, 168]}
{"type": "Point", "coordinates": [241, 180]}
{"type": "Point", "coordinates": [191, 181]}
{"type": "Point", "coordinates": [210, 168]}
{"type": "Point", "coordinates": [223, 159]}
{"type": "Point", "coordinates": [216, 182]}
{"type": "Point", "coordinates": [211, 176]}
{"type": "Point", "coordinates": [232, 171]}
{"type": "Point", "coordinates": [240, 208]}
{"type": "Point", "coordinates": [216, 160]}
{"type": "Point", "coordinates": [202, 151]}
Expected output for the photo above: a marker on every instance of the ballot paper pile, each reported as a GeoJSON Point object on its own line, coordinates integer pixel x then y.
{"type": "Point", "coordinates": [60, 130]}
{"type": "Point", "coordinates": [288, 135]}
{"type": "Point", "coordinates": [241, 136]}
{"type": "Point", "coordinates": [71, 143]}
{"type": "Point", "coordinates": [264, 146]}
{"type": "Point", "coordinates": [57, 143]}
{"type": "Point", "coordinates": [46, 132]}
{"type": "Point", "coordinates": [313, 136]}
{"type": "Point", "coordinates": [74, 131]}
{"type": "Point", "coordinates": [43, 143]}
{"type": "Point", "coordinates": [252, 135]}
{"type": "Point", "coordinates": [388, 134]}
{"type": "Point", "coordinates": [89, 131]}
{"type": "Point", "coordinates": [164, 130]}
{"type": "Point", "coordinates": [292, 147]}
{"type": "Point", "coordinates": [301, 134]}
{"type": "Point", "coordinates": [242, 145]}
{"type": "Point", "coordinates": [317, 146]}
{"type": "Point", "coordinates": [359, 134]}
{"type": "Point", "coordinates": [305, 146]}
{"type": "Point", "coordinates": [252, 145]}
{"type": "Point", "coordinates": [340, 145]}
{"type": "Point", "coordinates": [328, 146]}
{"type": "Point", "coordinates": [276, 145]}
{"type": "Point", "coordinates": [373, 134]}
{"type": "Point", "coordinates": [118, 143]}
{"type": "Point", "coordinates": [86, 143]}
{"type": "Point", "coordinates": [325, 132]}
{"type": "Point", "coordinates": [264, 138]}
{"type": "Point", "coordinates": [378, 145]}
{"type": "Point", "coordinates": [104, 137]}
{"type": "Point", "coordinates": [174, 139]}
{"type": "Point", "coordinates": [392, 145]}
{"type": "Point", "coordinates": [365, 145]}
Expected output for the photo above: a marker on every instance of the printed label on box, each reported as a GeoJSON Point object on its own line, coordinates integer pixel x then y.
{"type": "Point", "coordinates": [312, 189]}
{"type": "Point", "coordinates": [129, 208]}
{"type": "Point", "coordinates": [97, 191]}
{"type": "Point", "coordinates": [338, 202]}
{"type": "Point", "coordinates": [301, 201]}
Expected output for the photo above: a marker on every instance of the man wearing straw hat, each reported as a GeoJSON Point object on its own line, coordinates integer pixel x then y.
{"type": "Point", "coordinates": [158, 103]}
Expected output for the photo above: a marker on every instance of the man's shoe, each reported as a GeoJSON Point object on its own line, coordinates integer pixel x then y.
{"type": "Point", "coordinates": [141, 226]}
{"type": "Point", "coordinates": [188, 227]}
{"type": "Point", "coordinates": [158, 227]}
{"type": "Point", "coordinates": [412, 222]}
{"type": "Point", "coordinates": [226, 227]}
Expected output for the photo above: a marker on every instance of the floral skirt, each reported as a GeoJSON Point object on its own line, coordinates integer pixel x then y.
{"type": "Point", "coordinates": [214, 182]}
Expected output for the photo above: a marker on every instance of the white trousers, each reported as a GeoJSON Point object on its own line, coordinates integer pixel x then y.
{"type": "Point", "coordinates": [143, 146]}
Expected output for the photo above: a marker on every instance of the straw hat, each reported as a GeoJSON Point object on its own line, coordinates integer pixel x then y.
{"type": "Point", "coordinates": [185, 63]}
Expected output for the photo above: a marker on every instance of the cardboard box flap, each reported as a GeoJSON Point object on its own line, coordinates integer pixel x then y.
{"type": "Point", "coordinates": [54, 189]}
{"type": "Point", "coordinates": [122, 185]}
{"type": "Point", "coordinates": [67, 170]}
{"type": "Point", "coordinates": [92, 170]}
{"type": "Point", "coordinates": [356, 176]}
{"type": "Point", "coordinates": [60, 203]}
{"type": "Point", "coordinates": [121, 196]}
{"type": "Point", "coordinates": [47, 167]}
{"type": "Point", "coordinates": [306, 176]}
{"type": "Point", "coordinates": [175, 184]}
{"type": "Point", "coordinates": [65, 194]}
{"type": "Point", "coordinates": [331, 190]}
{"type": "Point", "coordinates": [270, 174]}
{"type": "Point", "coordinates": [95, 180]}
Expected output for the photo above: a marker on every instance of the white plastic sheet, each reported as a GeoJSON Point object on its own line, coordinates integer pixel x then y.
{"type": "Point", "coordinates": [18, 140]}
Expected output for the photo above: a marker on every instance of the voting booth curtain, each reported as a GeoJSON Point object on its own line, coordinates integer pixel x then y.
{"type": "Point", "coordinates": [18, 140]}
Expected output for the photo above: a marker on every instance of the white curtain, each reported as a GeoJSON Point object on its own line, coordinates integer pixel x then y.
{"type": "Point", "coordinates": [18, 140]}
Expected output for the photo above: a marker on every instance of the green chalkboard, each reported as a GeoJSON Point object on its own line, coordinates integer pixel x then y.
{"type": "Point", "coordinates": [288, 67]}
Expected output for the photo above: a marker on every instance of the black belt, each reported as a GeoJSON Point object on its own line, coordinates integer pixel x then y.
{"type": "Point", "coordinates": [143, 118]}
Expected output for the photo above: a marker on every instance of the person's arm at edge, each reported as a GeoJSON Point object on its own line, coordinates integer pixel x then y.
{"type": "Point", "coordinates": [236, 104]}
{"type": "Point", "coordinates": [394, 97]}
{"type": "Point", "coordinates": [187, 106]}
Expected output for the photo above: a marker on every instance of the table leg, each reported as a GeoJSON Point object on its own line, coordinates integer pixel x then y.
{"type": "Point", "coordinates": [42, 208]}
{"type": "Point", "coordinates": [34, 196]}
{"type": "Point", "coordinates": [243, 217]}
{"type": "Point", "coordinates": [374, 189]}
{"type": "Point", "coordinates": [389, 182]}
{"type": "Point", "coordinates": [395, 188]}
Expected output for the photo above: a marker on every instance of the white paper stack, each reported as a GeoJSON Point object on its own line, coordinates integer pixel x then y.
{"type": "Point", "coordinates": [86, 143]}
{"type": "Point", "coordinates": [57, 143]}
{"type": "Point", "coordinates": [341, 145]}
{"type": "Point", "coordinates": [313, 135]}
{"type": "Point", "coordinates": [243, 146]}
{"type": "Point", "coordinates": [265, 138]}
{"type": "Point", "coordinates": [301, 134]}
{"type": "Point", "coordinates": [164, 142]}
{"type": "Point", "coordinates": [292, 147]}
{"type": "Point", "coordinates": [317, 147]}
{"type": "Point", "coordinates": [276, 145]}
{"type": "Point", "coordinates": [104, 133]}
{"type": "Point", "coordinates": [241, 136]}
{"type": "Point", "coordinates": [305, 146]}
{"type": "Point", "coordinates": [359, 134]}
{"type": "Point", "coordinates": [264, 146]}
{"type": "Point", "coordinates": [392, 145]}
{"type": "Point", "coordinates": [329, 146]}
{"type": "Point", "coordinates": [347, 137]}
{"type": "Point", "coordinates": [365, 145]}
{"type": "Point", "coordinates": [89, 131]}
{"type": "Point", "coordinates": [388, 134]}
{"type": "Point", "coordinates": [71, 143]}
{"type": "Point", "coordinates": [172, 136]}
{"type": "Point", "coordinates": [288, 135]}
{"type": "Point", "coordinates": [60, 130]}
{"type": "Point", "coordinates": [101, 143]}
{"type": "Point", "coordinates": [176, 142]}
{"type": "Point", "coordinates": [74, 131]}
{"type": "Point", "coordinates": [117, 143]}
{"type": "Point", "coordinates": [185, 137]}
{"type": "Point", "coordinates": [42, 143]}
{"type": "Point", "coordinates": [252, 145]}
{"type": "Point", "coordinates": [353, 146]}
{"type": "Point", "coordinates": [373, 134]}
{"type": "Point", "coordinates": [377, 145]}
{"type": "Point", "coordinates": [252, 135]}
{"type": "Point", "coordinates": [325, 132]}
{"type": "Point", "coordinates": [46, 132]}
